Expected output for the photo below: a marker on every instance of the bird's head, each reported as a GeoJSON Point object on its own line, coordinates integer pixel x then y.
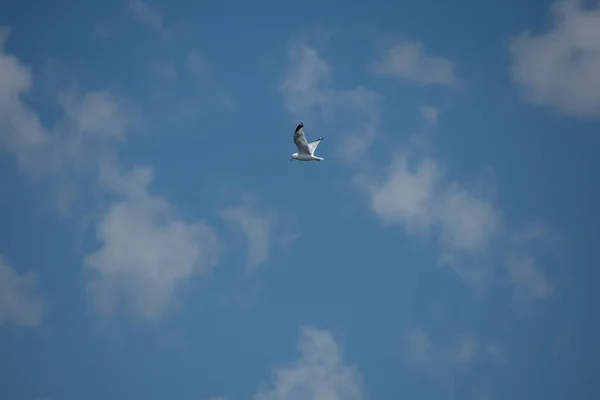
{"type": "Point", "coordinates": [294, 156]}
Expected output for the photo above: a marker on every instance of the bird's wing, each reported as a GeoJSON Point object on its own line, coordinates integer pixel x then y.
{"type": "Point", "coordinates": [313, 145]}
{"type": "Point", "coordinates": [301, 142]}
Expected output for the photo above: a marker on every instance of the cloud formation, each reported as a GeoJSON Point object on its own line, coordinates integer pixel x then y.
{"type": "Point", "coordinates": [442, 361]}
{"type": "Point", "coordinates": [473, 235]}
{"type": "Point", "coordinates": [420, 352]}
{"type": "Point", "coordinates": [21, 131]}
{"type": "Point", "coordinates": [20, 304]}
{"type": "Point", "coordinates": [146, 13]}
{"type": "Point", "coordinates": [559, 67]}
{"type": "Point", "coordinates": [146, 251]}
{"type": "Point", "coordinates": [319, 373]}
{"type": "Point", "coordinates": [408, 61]}
{"type": "Point", "coordinates": [257, 227]}
{"type": "Point", "coordinates": [91, 123]}
{"type": "Point", "coordinates": [309, 95]}
{"type": "Point", "coordinates": [525, 273]}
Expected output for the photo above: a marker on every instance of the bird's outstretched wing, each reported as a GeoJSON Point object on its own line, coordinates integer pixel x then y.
{"type": "Point", "coordinates": [300, 141]}
{"type": "Point", "coordinates": [313, 145]}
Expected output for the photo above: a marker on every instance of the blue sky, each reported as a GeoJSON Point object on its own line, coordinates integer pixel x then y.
{"type": "Point", "coordinates": [157, 243]}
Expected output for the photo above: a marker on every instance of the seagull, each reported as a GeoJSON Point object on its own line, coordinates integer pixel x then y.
{"type": "Point", "coordinates": [306, 151]}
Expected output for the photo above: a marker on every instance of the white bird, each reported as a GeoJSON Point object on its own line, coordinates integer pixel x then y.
{"type": "Point", "coordinates": [306, 151]}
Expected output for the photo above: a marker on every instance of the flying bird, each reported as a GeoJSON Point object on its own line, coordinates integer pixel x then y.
{"type": "Point", "coordinates": [306, 151]}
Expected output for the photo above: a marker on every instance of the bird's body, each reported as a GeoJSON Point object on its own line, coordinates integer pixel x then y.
{"type": "Point", "coordinates": [306, 151]}
{"type": "Point", "coordinates": [305, 157]}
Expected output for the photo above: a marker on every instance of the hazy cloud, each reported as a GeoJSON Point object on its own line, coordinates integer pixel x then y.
{"type": "Point", "coordinates": [20, 304]}
{"type": "Point", "coordinates": [559, 67]}
{"type": "Point", "coordinates": [319, 373]}
{"type": "Point", "coordinates": [470, 229]}
{"type": "Point", "coordinates": [145, 250]}
{"type": "Point", "coordinates": [257, 227]}
{"type": "Point", "coordinates": [409, 61]}
{"type": "Point", "coordinates": [146, 13]}
{"type": "Point", "coordinates": [308, 92]}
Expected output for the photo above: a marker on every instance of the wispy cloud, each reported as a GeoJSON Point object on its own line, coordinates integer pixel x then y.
{"type": "Point", "coordinates": [101, 30]}
{"type": "Point", "coordinates": [146, 251]}
{"type": "Point", "coordinates": [319, 373]}
{"type": "Point", "coordinates": [441, 361]}
{"type": "Point", "coordinates": [100, 115]}
{"type": "Point", "coordinates": [146, 13]}
{"type": "Point", "coordinates": [166, 70]}
{"type": "Point", "coordinates": [197, 65]}
{"type": "Point", "coordinates": [225, 101]}
{"type": "Point", "coordinates": [429, 114]}
{"type": "Point", "coordinates": [526, 274]}
{"type": "Point", "coordinates": [257, 226]}
{"type": "Point", "coordinates": [266, 231]}
{"type": "Point", "coordinates": [410, 62]}
{"type": "Point", "coordinates": [90, 122]}
{"type": "Point", "coordinates": [22, 131]}
{"type": "Point", "coordinates": [473, 235]}
{"type": "Point", "coordinates": [20, 303]}
{"type": "Point", "coordinates": [309, 94]}
{"type": "Point", "coordinates": [420, 352]}
{"type": "Point", "coordinates": [559, 67]}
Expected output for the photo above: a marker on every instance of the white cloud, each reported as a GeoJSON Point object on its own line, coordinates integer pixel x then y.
{"type": "Point", "coordinates": [421, 352]}
{"type": "Point", "coordinates": [308, 80]}
{"type": "Point", "coordinates": [470, 229]}
{"type": "Point", "coordinates": [90, 122]}
{"type": "Point", "coordinates": [197, 65]}
{"type": "Point", "coordinates": [406, 195]}
{"type": "Point", "coordinates": [495, 352]}
{"type": "Point", "coordinates": [409, 61]}
{"type": "Point", "coordinates": [96, 121]}
{"type": "Point", "coordinates": [308, 92]}
{"type": "Point", "coordinates": [265, 230]}
{"type": "Point", "coordinates": [439, 361]}
{"type": "Point", "coordinates": [528, 276]}
{"type": "Point", "coordinates": [559, 67]}
{"type": "Point", "coordinates": [425, 203]}
{"type": "Point", "coordinates": [225, 101]}
{"type": "Point", "coordinates": [444, 360]}
{"type": "Point", "coordinates": [101, 30]}
{"type": "Point", "coordinates": [166, 70]}
{"type": "Point", "coordinates": [146, 13]}
{"type": "Point", "coordinates": [318, 374]}
{"type": "Point", "coordinates": [20, 304]}
{"type": "Point", "coordinates": [146, 251]}
{"type": "Point", "coordinates": [21, 131]}
{"type": "Point", "coordinates": [468, 221]}
{"type": "Point", "coordinates": [257, 227]}
{"type": "Point", "coordinates": [430, 114]}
